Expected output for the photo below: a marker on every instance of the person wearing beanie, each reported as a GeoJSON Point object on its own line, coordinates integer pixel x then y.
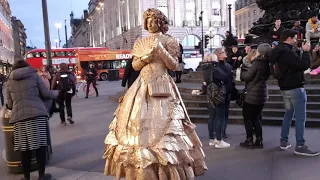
{"type": "Point", "coordinates": [274, 44]}
{"type": "Point", "coordinates": [255, 78]}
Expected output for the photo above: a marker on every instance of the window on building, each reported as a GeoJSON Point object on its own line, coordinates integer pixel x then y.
{"type": "Point", "coordinates": [162, 5]}
{"type": "Point", "coordinates": [190, 10]}
{"type": "Point", "coordinates": [190, 40]}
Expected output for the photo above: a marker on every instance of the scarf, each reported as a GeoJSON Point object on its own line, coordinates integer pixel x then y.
{"type": "Point", "coordinates": [314, 25]}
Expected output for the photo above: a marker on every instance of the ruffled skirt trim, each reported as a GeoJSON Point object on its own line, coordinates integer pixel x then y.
{"type": "Point", "coordinates": [178, 156]}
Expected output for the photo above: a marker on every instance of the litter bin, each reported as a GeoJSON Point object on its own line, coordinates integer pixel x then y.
{"type": "Point", "coordinates": [113, 75]}
{"type": "Point", "coordinates": [12, 158]}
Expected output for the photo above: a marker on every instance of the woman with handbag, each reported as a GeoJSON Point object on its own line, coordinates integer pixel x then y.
{"type": "Point", "coordinates": [26, 93]}
{"type": "Point", "coordinates": [217, 80]}
{"type": "Point", "coordinates": [256, 95]}
{"type": "Point", "coordinates": [151, 136]}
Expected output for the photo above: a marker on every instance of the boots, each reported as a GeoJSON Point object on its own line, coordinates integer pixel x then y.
{"type": "Point", "coordinates": [248, 143]}
{"type": "Point", "coordinates": [258, 144]}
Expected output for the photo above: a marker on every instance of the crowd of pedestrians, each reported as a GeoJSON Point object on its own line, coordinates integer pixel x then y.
{"type": "Point", "coordinates": [32, 97]}
{"type": "Point", "coordinates": [284, 62]}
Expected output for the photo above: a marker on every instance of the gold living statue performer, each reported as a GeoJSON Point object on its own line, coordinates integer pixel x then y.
{"type": "Point", "coordinates": [151, 136]}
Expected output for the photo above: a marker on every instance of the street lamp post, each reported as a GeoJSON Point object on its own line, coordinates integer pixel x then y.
{"type": "Point", "coordinates": [56, 40]}
{"type": "Point", "coordinates": [58, 26]}
{"type": "Point", "coordinates": [202, 39]}
{"type": "Point", "coordinates": [46, 32]}
{"type": "Point", "coordinates": [229, 8]}
{"type": "Point", "coordinates": [65, 31]}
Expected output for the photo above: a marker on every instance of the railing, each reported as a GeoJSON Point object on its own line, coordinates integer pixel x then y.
{"type": "Point", "coordinates": [191, 23]}
{"type": "Point", "coordinates": [217, 23]}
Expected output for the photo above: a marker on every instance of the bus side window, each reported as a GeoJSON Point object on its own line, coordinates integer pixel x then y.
{"type": "Point", "coordinates": [124, 63]}
{"type": "Point", "coordinates": [30, 55]}
{"type": "Point", "coordinates": [37, 54]}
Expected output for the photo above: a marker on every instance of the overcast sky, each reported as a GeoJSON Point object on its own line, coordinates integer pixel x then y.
{"type": "Point", "coordinates": [30, 13]}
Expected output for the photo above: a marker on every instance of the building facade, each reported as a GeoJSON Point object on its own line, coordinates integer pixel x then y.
{"type": "Point", "coordinates": [6, 39]}
{"type": "Point", "coordinates": [118, 23]}
{"type": "Point", "coordinates": [247, 13]}
{"type": "Point", "coordinates": [79, 31]}
{"type": "Point", "coordinates": [19, 38]}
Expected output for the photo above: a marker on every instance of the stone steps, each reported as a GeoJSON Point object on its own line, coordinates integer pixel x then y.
{"type": "Point", "coordinates": [267, 112]}
{"type": "Point", "coordinates": [272, 97]}
{"type": "Point", "coordinates": [198, 75]}
{"type": "Point", "coordinates": [269, 104]}
{"type": "Point", "coordinates": [267, 120]}
{"type": "Point", "coordinates": [270, 82]}
{"type": "Point", "coordinates": [272, 114]}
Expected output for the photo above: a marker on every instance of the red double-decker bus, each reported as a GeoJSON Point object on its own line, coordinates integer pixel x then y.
{"type": "Point", "coordinates": [37, 57]}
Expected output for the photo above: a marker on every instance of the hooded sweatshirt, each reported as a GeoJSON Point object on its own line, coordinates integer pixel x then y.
{"type": "Point", "coordinates": [26, 93]}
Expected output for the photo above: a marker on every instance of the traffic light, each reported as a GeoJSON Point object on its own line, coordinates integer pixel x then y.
{"type": "Point", "coordinates": [200, 47]}
{"type": "Point", "coordinates": [206, 40]}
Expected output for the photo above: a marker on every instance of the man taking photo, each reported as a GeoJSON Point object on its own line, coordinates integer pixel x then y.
{"type": "Point", "coordinates": [289, 70]}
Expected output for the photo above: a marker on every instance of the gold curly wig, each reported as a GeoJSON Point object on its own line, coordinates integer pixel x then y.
{"type": "Point", "coordinates": [162, 20]}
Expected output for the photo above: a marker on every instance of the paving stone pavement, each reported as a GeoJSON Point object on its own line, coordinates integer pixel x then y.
{"type": "Point", "coordinates": [77, 149]}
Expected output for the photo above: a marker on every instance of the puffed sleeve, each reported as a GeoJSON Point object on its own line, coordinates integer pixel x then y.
{"type": "Point", "coordinates": [169, 53]}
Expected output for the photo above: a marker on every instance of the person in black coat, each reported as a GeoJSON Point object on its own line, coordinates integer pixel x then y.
{"type": "Point", "coordinates": [275, 30]}
{"type": "Point", "coordinates": [230, 40]}
{"type": "Point", "coordinates": [2, 81]}
{"type": "Point", "coordinates": [255, 78]}
{"type": "Point", "coordinates": [235, 58]}
{"type": "Point", "coordinates": [130, 75]}
{"type": "Point", "coordinates": [91, 79]}
{"type": "Point", "coordinates": [213, 72]}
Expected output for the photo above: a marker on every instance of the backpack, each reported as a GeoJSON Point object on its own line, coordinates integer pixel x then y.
{"type": "Point", "coordinates": [65, 83]}
{"type": "Point", "coordinates": [274, 67]}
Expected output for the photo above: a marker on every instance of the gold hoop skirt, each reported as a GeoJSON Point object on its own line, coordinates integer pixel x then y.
{"type": "Point", "coordinates": [152, 138]}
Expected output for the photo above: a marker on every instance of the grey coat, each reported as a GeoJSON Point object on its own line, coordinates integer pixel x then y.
{"type": "Point", "coordinates": [26, 93]}
{"type": "Point", "coordinates": [256, 78]}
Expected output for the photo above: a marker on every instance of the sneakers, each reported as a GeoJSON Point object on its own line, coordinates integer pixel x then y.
{"type": "Point", "coordinates": [308, 71]}
{"type": "Point", "coordinates": [221, 145]}
{"type": "Point", "coordinates": [285, 145]}
{"type": "Point", "coordinates": [305, 151]}
{"type": "Point", "coordinates": [213, 142]}
{"type": "Point", "coordinates": [70, 120]}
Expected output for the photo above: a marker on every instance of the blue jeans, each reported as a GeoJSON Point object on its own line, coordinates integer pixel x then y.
{"type": "Point", "coordinates": [295, 101]}
{"type": "Point", "coordinates": [225, 122]}
{"type": "Point", "coordinates": [216, 119]}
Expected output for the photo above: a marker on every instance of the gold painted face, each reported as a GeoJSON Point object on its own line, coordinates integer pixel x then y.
{"type": "Point", "coordinates": [152, 25]}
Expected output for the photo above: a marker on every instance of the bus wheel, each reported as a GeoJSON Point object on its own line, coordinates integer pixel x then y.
{"type": "Point", "coordinates": [103, 76]}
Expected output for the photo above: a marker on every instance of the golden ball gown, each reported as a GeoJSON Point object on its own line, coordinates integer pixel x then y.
{"type": "Point", "coordinates": [151, 136]}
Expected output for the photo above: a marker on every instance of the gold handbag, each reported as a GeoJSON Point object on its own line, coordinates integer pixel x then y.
{"type": "Point", "coordinates": [160, 87]}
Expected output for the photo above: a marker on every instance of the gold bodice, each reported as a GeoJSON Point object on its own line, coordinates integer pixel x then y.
{"type": "Point", "coordinates": [160, 60]}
